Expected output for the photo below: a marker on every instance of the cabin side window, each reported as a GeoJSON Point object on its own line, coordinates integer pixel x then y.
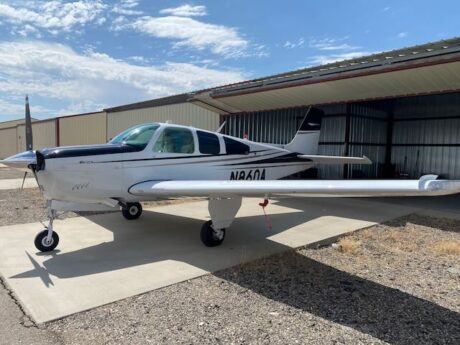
{"type": "Point", "coordinates": [235, 147]}
{"type": "Point", "coordinates": [208, 143]}
{"type": "Point", "coordinates": [175, 140]}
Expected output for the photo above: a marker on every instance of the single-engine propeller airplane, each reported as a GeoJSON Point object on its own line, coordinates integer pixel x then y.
{"type": "Point", "coordinates": [161, 160]}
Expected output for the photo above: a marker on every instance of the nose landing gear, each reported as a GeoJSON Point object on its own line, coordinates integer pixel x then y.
{"type": "Point", "coordinates": [47, 240]}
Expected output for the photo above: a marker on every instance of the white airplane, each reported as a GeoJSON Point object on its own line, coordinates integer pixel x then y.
{"type": "Point", "coordinates": [160, 160]}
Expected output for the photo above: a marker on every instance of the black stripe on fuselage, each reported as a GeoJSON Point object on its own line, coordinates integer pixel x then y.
{"type": "Point", "coordinates": [107, 149]}
{"type": "Point", "coordinates": [88, 150]}
{"type": "Point", "coordinates": [287, 158]}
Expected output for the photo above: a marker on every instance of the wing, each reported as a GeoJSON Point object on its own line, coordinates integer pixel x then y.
{"type": "Point", "coordinates": [427, 185]}
{"type": "Point", "coordinates": [336, 159]}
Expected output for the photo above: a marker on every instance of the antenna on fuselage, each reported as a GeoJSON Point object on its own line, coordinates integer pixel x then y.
{"type": "Point", "coordinates": [221, 126]}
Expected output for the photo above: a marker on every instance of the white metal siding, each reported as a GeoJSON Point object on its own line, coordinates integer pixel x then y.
{"type": "Point", "coordinates": [183, 114]}
{"type": "Point", "coordinates": [83, 129]}
{"type": "Point", "coordinates": [7, 142]}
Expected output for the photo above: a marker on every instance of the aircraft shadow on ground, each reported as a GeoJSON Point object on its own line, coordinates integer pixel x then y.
{"type": "Point", "coordinates": [415, 205]}
{"type": "Point", "coordinates": [380, 311]}
{"type": "Point", "coordinates": [156, 237]}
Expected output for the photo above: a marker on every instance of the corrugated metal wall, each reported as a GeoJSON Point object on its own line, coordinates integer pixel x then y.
{"type": "Point", "coordinates": [183, 114]}
{"type": "Point", "coordinates": [426, 136]}
{"type": "Point", "coordinates": [83, 129]}
{"type": "Point", "coordinates": [8, 142]}
{"type": "Point", "coordinates": [367, 134]}
{"type": "Point", "coordinates": [44, 135]}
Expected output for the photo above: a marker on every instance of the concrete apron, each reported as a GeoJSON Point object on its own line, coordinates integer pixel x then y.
{"type": "Point", "coordinates": [105, 258]}
{"type": "Point", "coordinates": [16, 183]}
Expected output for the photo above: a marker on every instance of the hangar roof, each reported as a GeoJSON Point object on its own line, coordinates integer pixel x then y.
{"type": "Point", "coordinates": [181, 98]}
{"type": "Point", "coordinates": [13, 123]}
{"type": "Point", "coordinates": [423, 69]}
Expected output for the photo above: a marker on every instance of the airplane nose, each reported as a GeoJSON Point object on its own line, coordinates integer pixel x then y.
{"type": "Point", "coordinates": [21, 161]}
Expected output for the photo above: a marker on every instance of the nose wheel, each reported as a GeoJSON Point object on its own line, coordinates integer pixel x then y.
{"type": "Point", "coordinates": [47, 240]}
{"type": "Point", "coordinates": [43, 244]}
{"type": "Point", "coordinates": [132, 210]}
{"type": "Point", "coordinates": [211, 237]}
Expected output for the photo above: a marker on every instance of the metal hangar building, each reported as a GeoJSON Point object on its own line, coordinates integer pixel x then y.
{"type": "Point", "coordinates": [400, 108]}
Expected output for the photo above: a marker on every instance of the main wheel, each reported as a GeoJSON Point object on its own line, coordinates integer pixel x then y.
{"type": "Point", "coordinates": [132, 210]}
{"type": "Point", "coordinates": [42, 244]}
{"type": "Point", "coordinates": [211, 237]}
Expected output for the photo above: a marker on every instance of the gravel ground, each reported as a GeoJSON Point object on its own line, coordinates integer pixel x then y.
{"type": "Point", "coordinates": [395, 286]}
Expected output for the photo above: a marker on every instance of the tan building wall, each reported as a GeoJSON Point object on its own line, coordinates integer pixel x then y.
{"type": "Point", "coordinates": [44, 135]}
{"type": "Point", "coordinates": [183, 114]}
{"type": "Point", "coordinates": [13, 123]}
{"type": "Point", "coordinates": [8, 142]}
{"type": "Point", "coordinates": [83, 129]}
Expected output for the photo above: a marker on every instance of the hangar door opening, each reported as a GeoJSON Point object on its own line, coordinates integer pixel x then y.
{"type": "Point", "coordinates": [404, 137]}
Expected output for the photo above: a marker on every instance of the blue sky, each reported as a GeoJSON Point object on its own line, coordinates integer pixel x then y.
{"type": "Point", "coordinates": [80, 56]}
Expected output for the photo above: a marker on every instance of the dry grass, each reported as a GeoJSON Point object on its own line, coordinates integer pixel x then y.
{"type": "Point", "coordinates": [349, 245]}
{"type": "Point", "coordinates": [447, 247]}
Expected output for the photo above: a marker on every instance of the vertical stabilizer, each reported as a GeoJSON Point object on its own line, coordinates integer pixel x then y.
{"type": "Point", "coordinates": [29, 136]}
{"type": "Point", "coordinates": [307, 137]}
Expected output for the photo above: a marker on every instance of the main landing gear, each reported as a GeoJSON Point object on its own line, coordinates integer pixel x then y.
{"type": "Point", "coordinates": [211, 237]}
{"type": "Point", "coordinates": [131, 210]}
{"type": "Point", "coordinates": [47, 240]}
{"type": "Point", "coordinates": [222, 211]}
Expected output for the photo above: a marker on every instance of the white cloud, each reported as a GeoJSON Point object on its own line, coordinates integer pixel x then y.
{"type": "Point", "coordinates": [52, 15]}
{"type": "Point", "coordinates": [185, 11]}
{"type": "Point", "coordinates": [93, 79]}
{"type": "Point", "coordinates": [402, 34]}
{"type": "Point", "coordinates": [326, 59]}
{"type": "Point", "coordinates": [296, 44]}
{"type": "Point", "coordinates": [125, 7]}
{"type": "Point", "coordinates": [385, 9]}
{"type": "Point", "coordinates": [192, 33]}
{"type": "Point", "coordinates": [15, 107]}
{"type": "Point", "coordinates": [331, 44]}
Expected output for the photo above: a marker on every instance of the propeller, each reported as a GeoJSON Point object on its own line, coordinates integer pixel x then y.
{"type": "Point", "coordinates": [29, 136]}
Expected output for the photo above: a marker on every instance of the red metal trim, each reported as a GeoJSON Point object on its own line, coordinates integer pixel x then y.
{"type": "Point", "coordinates": [341, 76]}
{"type": "Point", "coordinates": [58, 132]}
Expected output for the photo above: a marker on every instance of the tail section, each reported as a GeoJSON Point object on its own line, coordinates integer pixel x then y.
{"type": "Point", "coordinates": [307, 137]}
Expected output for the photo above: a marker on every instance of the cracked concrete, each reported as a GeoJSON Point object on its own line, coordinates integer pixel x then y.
{"type": "Point", "coordinates": [16, 327]}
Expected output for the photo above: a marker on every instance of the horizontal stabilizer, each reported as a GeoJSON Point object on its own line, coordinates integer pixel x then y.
{"type": "Point", "coordinates": [427, 185]}
{"type": "Point", "coordinates": [336, 159]}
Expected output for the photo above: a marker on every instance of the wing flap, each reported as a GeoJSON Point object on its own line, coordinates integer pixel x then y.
{"type": "Point", "coordinates": [427, 185]}
{"type": "Point", "coordinates": [336, 159]}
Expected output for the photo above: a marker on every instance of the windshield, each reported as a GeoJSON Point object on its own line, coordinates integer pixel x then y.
{"type": "Point", "coordinates": [138, 136]}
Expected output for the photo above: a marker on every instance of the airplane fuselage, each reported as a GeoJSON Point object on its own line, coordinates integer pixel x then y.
{"type": "Point", "coordinates": [96, 172]}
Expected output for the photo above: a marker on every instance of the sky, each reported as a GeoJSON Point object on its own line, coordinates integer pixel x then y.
{"type": "Point", "coordinates": [81, 56]}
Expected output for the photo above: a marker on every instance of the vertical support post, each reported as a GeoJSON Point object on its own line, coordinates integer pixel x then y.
{"type": "Point", "coordinates": [387, 168]}
{"type": "Point", "coordinates": [58, 132]}
{"type": "Point", "coordinates": [347, 139]}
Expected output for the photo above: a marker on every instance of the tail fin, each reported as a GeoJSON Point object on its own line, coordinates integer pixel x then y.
{"type": "Point", "coordinates": [307, 137]}
{"type": "Point", "coordinates": [28, 123]}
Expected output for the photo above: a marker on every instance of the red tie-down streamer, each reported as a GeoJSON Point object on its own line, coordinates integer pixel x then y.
{"type": "Point", "coordinates": [267, 217]}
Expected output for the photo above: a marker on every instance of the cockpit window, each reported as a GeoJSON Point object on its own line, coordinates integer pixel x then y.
{"type": "Point", "coordinates": [175, 140]}
{"type": "Point", "coordinates": [208, 143]}
{"type": "Point", "coordinates": [138, 136]}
